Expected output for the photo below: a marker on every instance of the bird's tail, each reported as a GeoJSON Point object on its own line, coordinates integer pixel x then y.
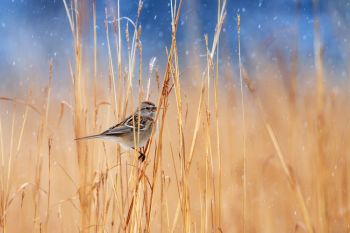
{"type": "Point", "coordinates": [89, 137]}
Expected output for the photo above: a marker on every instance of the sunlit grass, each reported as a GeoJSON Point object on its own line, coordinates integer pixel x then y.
{"type": "Point", "coordinates": [254, 156]}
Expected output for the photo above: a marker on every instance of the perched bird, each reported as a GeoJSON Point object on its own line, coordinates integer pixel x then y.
{"type": "Point", "coordinates": [143, 119]}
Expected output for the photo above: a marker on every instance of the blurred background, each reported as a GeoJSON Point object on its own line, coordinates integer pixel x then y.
{"type": "Point", "coordinates": [32, 32]}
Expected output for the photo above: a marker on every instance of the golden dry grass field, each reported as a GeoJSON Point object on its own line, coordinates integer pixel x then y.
{"type": "Point", "coordinates": [233, 152]}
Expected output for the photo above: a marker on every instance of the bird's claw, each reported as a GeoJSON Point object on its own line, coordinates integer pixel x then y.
{"type": "Point", "coordinates": [142, 157]}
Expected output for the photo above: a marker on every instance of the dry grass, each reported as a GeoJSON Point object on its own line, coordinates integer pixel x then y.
{"type": "Point", "coordinates": [259, 157]}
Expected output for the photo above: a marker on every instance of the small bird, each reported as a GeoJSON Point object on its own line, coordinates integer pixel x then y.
{"type": "Point", "coordinates": [123, 132]}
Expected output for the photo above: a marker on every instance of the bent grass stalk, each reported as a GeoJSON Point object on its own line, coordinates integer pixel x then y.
{"type": "Point", "coordinates": [287, 169]}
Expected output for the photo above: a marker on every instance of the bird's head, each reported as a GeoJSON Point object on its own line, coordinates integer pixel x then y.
{"type": "Point", "coordinates": [148, 109]}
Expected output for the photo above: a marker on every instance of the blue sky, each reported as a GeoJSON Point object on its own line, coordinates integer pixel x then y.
{"type": "Point", "coordinates": [32, 32]}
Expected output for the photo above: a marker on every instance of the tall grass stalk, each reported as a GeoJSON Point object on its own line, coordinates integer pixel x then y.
{"type": "Point", "coordinates": [216, 100]}
{"type": "Point", "coordinates": [321, 167]}
{"type": "Point", "coordinates": [79, 116]}
{"type": "Point", "coordinates": [245, 214]}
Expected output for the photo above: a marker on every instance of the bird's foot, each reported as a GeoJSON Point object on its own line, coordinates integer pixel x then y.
{"type": "Point", "coordinates": [141, 157]}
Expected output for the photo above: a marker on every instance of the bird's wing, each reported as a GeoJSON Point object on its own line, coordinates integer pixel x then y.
{"type": "Point", "coordinates": [134, 120]}
{"type": "Point", "coordinates": [127, 126]}
{"type": "Point", "coordinates": [117, 131]}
